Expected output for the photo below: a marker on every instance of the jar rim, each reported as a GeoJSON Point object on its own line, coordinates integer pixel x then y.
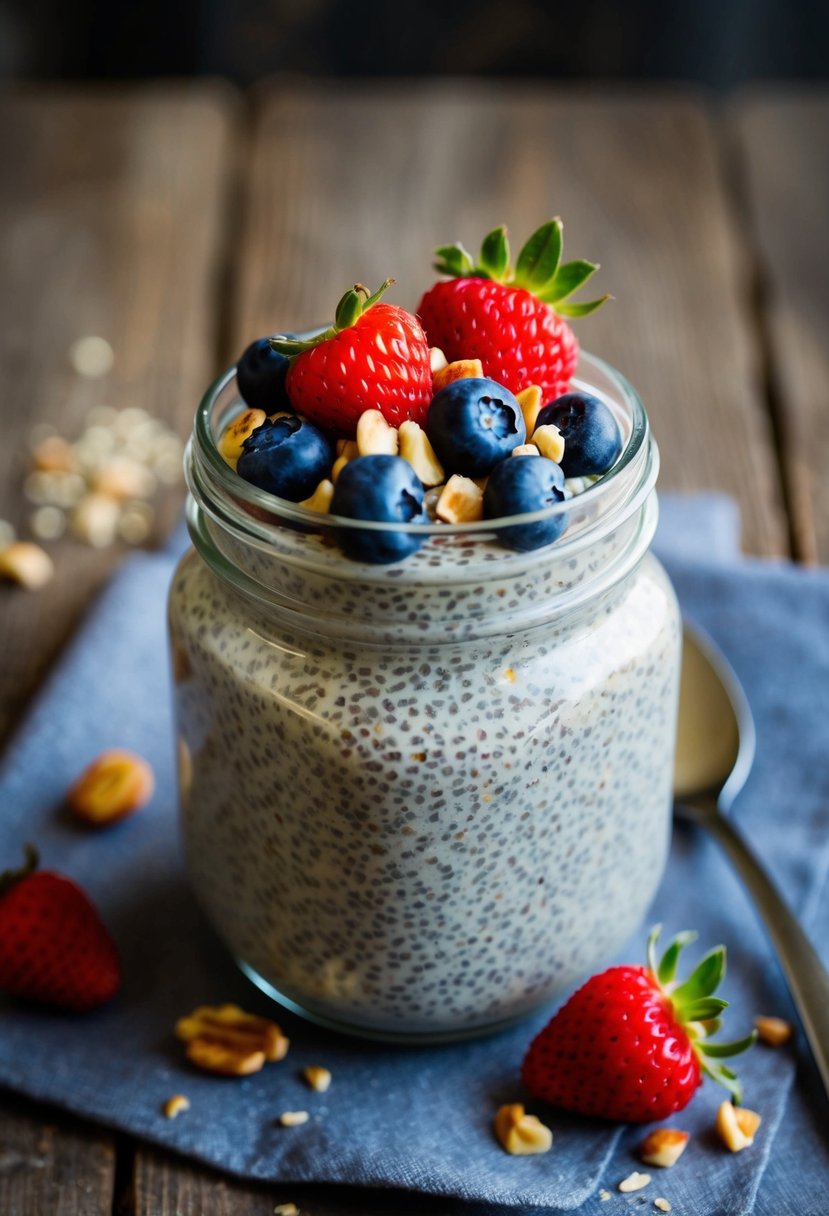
{"type": "Point", "coordinates": [252, 502]}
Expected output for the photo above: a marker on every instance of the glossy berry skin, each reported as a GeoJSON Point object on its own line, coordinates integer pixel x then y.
{"type": "Point", "coordinates": [614, 1050]}
{"type": "Point", "coordinates": [592, 438]}
{"type": "Point", "coordinates": [519, 485]}
{"type": "Point", "coordinates": [382, 488]}
{"type": "Point", "coordinates": [380, 362]}
{"type": "Point", "coordinates": [54, 948]}
{"type": "Point", "coordinates": [260, 375]}
{"type": "Point", "coordinates": [473, 424]}
{"type": "Point", "coordinates": [518, 338]}
{"type": "Point", "coordinates": [288, 457]}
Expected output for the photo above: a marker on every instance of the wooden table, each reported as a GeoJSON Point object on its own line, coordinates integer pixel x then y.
{"type": "Point", "coordinates": [181, 221]}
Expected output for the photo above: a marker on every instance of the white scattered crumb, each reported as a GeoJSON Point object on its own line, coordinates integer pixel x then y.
{"type": "Point", "coordinates": [604, 1195]}
{"type": "Point", "coordinates": [293, 1118]}
{"type": "Point", "coordinates": [634, 1182]}
{"type": "Point", "coordinates": [662, 1205]}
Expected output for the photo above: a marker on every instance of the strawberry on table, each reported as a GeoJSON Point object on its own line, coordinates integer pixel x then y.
{"type": "Point", "coordinates": [54, 947]}
{"type": "Point", "coordinates": [632, 1043]}
{"type": "Point", "coordinates": [510, 319]}
{"type": "Point", "coordinates": [374, 356]}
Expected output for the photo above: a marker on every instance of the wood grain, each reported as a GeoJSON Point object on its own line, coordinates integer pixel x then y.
{"type": "Point", "coordinates": [782, 138]}
{"type": "Point", "coordinates": [111, 223]}
{"type": "Point", "coordinates": [359, 183]}
{"type": "Point", "coordinates": [52, 1164]}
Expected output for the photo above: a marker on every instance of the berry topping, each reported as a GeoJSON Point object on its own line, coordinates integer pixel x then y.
{"type": "Point", "coordinates": [473, 424]}
{"type": "Point", "coordinates": [260, 375]}
{"type": "Point", "coordinates": [510, 319]}
{"type": "Point", "coordinates": [375, 356]}
{"type": "Point", "coordinates": [382, 488]}
{"type": "Point", "coordinates": [522, 484]}
{"type": "Point", "coordinates": [286, 456]}
{"type": "Point", "coordinates": [54, 948]}
{"type": "Point", "coordinates": [592, 438]}
{"type": "Point", "coordinates": [631, 1043]}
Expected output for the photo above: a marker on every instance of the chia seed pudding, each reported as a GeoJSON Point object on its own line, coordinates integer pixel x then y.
{"type": "Point", "coordinates": [420, 800]}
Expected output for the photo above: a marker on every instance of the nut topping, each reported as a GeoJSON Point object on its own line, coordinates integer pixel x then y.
{"type": "Point", "coordinates": [226, 1040]}
{"type": "Point", "coordinates": [519, 1133]}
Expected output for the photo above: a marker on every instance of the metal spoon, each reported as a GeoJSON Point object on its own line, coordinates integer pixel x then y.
{"type": "Point", "coordinates": [715, 749]}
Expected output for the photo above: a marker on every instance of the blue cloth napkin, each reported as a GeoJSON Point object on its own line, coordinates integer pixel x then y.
{"type": "Point", "coordinates": [421, 1119]}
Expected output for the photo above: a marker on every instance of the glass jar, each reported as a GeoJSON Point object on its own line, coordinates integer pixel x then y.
{"type": "Point", "coordinates": [421, 799]}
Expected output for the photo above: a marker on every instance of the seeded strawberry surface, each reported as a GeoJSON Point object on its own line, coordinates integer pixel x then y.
{"type": "Point", "coordinates": [614, 1050]}
{"type": "Point", "coordinates": [381, 361]}
{"type": "Point", "coordinates": [517, 337]}
{"type": "Point", "coordinates": [54, 948]}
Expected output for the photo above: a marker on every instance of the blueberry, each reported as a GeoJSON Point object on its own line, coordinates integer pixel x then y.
{"type": "Point", "coordinates": [382, 488]}
{"type": "Point", "coordinates": [592, 439]}
{"type": "Point", "coordinates": [288, 457]}
{"type": "Point", "coordinates": [260, 375]}
{"type": "Point", "coordinates": [473, 424]}
{"type": "Point", "coordinates": [522, 484]}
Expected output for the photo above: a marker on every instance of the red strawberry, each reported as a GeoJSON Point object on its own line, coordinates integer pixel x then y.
{"type": "Point", "coordinates": [504, 317]}
{"type": "Point", "coordinates": [630, 1044]}
{"type": "Point", "coordinates": [54, 948]}
{"type": "Point", "coordinates": [374, 356]}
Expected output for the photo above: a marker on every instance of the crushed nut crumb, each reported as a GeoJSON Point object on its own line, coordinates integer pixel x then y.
{"type": "Point", "coordinates": [293, 1118]}
{"type": "Point", "coordinates": [634, 1182]}
{"type": "Point", "coordinates": [175, 1105]}
{"type": "Point", "coordinates": [317, 1077]}
{"type": "Point", "coordinates": [774, 1032]}
{"type": "Point", "coordinates": [662, 1205]}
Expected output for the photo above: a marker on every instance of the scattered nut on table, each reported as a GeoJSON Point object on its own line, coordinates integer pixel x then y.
{"type": "Point", "coordinates": [224, 1039]}
{"type": "Point", "coordinates": [519, 1133]}
{"type": "Point", "coordinates": [774, 1032]}
{"type": "Point", "coordinates": [634, 1182]}
{"type": "Point", "coordinates": [114, 785]}
{"type": "Point", "coordinates": [663, 1146]}
{"type": "Point", "coordinates": [736, 1126]}
{"type": "Point", "coordinates": [318, 1078]}
{"type": "Point", "coordinates": [293, 1118]}
{"type": "Point", "coordinates": [176, 1105]}
{"type": "Point", "coordinates": [26, 564]}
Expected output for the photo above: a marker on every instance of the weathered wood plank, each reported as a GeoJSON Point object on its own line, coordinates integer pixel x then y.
{"type": "Point", "coordinates": [51, 1163]}
{"type": "Point", "coordinates": [360, 183]}
{"type": "Point", "coordinates": [783, 139]}
{"type": "Point", "coordinates": [111, 224]}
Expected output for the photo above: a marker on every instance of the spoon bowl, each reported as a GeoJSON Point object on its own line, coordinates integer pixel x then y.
{"type": "Point", "coordinates": [716, 743]}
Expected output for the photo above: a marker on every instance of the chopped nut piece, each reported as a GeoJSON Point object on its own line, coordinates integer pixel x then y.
{"type": "Point", "coordinates": [349, 452]}
{"type": "Point", "coordinates": [26, 564]}
{"type": "Point", "coordinates": [437, 359]}
{"type": "Point", "coordinates": [461, 501]}
{"type": "Point", "coordinates": [416, 448]}
{"type": "Point", "coordinates": [525, 449]}
{"type": "Point", "coordinates": [95, 520]}
{"type": "Point", "coordinates": [519, 1133]}
{"type": "Point", "coordinates": [461, 369]}
{"type": "Point", "coordinates": [227, 1040]}
{"type": "Point", "coordinates": [286, 1209]}
{"type": "Point", "coordinates": [175, 1105]}
{"type": "Point", "coordinates": [294, 1118]}
{"type": "Point", "coordinates": [320, 500]}
{"type": "Point", "coordinates": [530, 401]}
{"type": "Point", "coordinates": [375, 437]}
{"type": "Point", "coordinates": [664, 1146]}
{"type": "Point", "coordinates": [736, 1126]}
{"type": "Point", "coordinates": [92, 357]}
{"type": "Point", "coordinates": [662, 1205]}
{"type": "Point", "coordinates": [634, 1182]}
{"type": "Point", "coordinates": [318, 1078]}
{"type": "Point", "coordinates": [230, 444]}
{"type": "Point", "coordinates": [773, 1031]}
{"type": "Point", "coordinates": [549, 441]}
{"type": "Point", "coordinates": [114, 785]}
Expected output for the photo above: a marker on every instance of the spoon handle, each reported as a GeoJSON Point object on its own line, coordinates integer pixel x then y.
{"type": "Point", "coordinates": [807, 977]}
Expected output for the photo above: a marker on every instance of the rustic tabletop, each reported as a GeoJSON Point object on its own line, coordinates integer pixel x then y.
{"type": "Point", "coordinates": [180, 221]}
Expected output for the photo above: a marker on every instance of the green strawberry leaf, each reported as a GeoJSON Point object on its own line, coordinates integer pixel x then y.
{"type": "Point", "coordinates": [703, 1009]}
{"type": "Point", "coordinates": [703, 980]}
{"type": "Point", "coordinates": [666, 969]}
{"type": "Point", "coordinates": [725, 1077]}
{"type": "Point", "coordinates": [454, 260]}
{"type": "Point", "coordinates": [494, 255]}
{"type": "Point", "coordinates": [538, 260]}
{"type": "Point", "coordinates": [719, 1050]}
{"type": "Point", "coordinates": [581, 310]}
{"type": "Point", "coordinates": [569, 277]}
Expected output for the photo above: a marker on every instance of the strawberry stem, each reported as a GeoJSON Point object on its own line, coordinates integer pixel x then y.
{"type": "Point", "coordinates": [9, 877]}
{"type": "Point", "coordinates": [353, 304]}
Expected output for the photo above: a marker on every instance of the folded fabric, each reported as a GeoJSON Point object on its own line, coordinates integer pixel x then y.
{"type": "Point", "coordinates": [418, 1118]}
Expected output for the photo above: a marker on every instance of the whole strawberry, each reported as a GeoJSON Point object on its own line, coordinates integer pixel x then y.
{"type": "Point", "coordinates": [54, 948]}
{"type": "Point", "coordinates": [632, 1044]}
{"type": "Point", "coordinates": [510, 319]}
{"type": "Point", "coordinates": [375, 356]}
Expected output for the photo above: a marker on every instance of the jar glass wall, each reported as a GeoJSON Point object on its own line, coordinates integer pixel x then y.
{"type": "Point", "coordinates": [419, 800]}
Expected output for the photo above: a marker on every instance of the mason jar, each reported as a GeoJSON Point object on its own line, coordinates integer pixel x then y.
{"type": "Point", "coordinates": [419, 800]}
